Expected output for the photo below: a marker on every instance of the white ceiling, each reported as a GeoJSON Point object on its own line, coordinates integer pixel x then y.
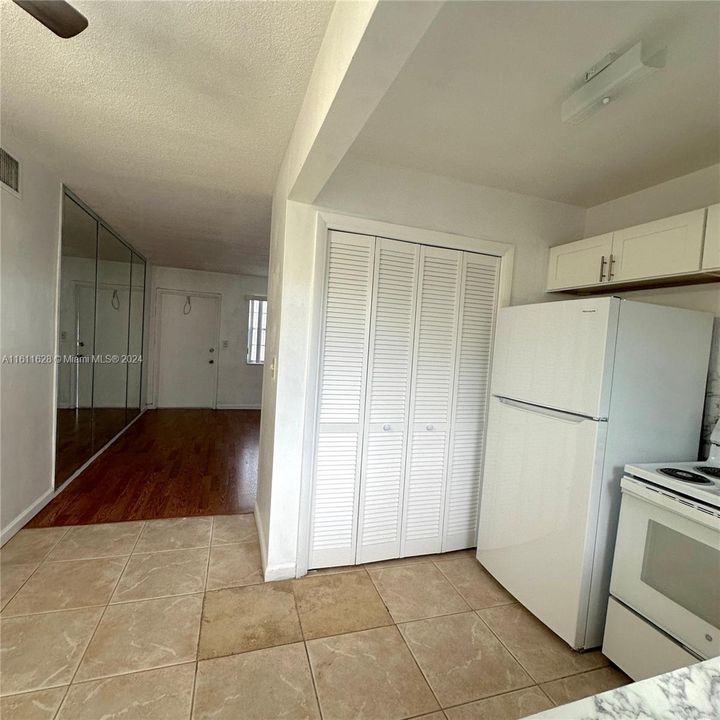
{"type": "Point", "coordinates": [169, 119]}
{"type": "Point", "coordinates": [479, 100]}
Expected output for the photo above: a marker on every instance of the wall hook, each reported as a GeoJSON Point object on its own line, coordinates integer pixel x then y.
{"type": "Point", "coordinates": [187, 307]}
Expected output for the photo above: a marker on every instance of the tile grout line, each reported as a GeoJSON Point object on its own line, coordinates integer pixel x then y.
{"type": "Point", "coordinates": [547, 695]}
{"type": "Point", "coordinates": [485, 697]}
{"type": "Point", "coordinates": [399, 632]}
{"type": "Point", "coordinates": [499, 639]}
{"type": "Point", "coordinates": [574, 674]}
{"type": "Point", "coordinates": [537, 682]}
{"type": "Point", "coordinates": [97, 625]}
{"type": "Point", "coordinates": [495, 695]}
{"type": "Point", "coordinates": [305, 647]}
{"type": "Point", "coordinates": [459, 591]}
{"type": "Point", "coordinates": [417, 665]}
{"type": "Point", "coordinates": [37, 567]}
{"type": "Point", "coordinates": [313, 680]}
{"type": "Point", "coordinates": [476, 613]}
{"type": "Point", "coordinates": [468, 607]}
{"type": "Point", "coordinates": [117, 604]}
{"type": "Point", "coordinates": [202, 613]}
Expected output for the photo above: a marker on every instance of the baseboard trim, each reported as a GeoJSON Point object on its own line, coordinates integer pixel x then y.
{"type": "Point", "coordinates": [275, 572]}
{"type": "Point", "coordinates": [230, 406]}
{"type": "Point", "coordinates": [261, 537]}
{"type": "Point", "coordinates": [24, 517]}
{"type": "Point", "coordinates": [280, 572]}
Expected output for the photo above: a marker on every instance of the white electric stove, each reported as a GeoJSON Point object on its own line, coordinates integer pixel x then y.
{"type": "Point", "coordinates": [664, 608]}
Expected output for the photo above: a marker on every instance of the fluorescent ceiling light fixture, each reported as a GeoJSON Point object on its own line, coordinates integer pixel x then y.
{"type": "Point", "coordinates": [605, 86]}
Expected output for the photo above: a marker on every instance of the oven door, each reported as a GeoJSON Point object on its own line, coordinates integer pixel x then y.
{"type": "Point", "coordinates": [667, 565]}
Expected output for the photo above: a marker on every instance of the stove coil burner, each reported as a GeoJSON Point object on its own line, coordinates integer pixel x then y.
{"type": "Point", "coordinates": [686, 476]}
{"type": "Point", "coordinates": [709, 470]}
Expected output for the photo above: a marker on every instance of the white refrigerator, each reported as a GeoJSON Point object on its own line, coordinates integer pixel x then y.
{"type": "Point", "coordinates": [579, 389]}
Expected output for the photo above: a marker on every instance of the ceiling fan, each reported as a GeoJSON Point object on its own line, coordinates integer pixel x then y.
{"type": "Point", "coordinates": [56, 15]}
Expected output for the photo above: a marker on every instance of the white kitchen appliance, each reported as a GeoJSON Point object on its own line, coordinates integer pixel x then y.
{"type": "Point", "coordinates": [579, 389]}
{"type": "Point", "coordinates": [664, 609]}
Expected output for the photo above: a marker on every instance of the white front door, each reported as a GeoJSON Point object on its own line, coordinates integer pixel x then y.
{"type": "Point", "coordinates": [188, 353]}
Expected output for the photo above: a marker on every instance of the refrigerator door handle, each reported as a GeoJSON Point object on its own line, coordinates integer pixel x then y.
{"type": "Point", "coordinates": [557, 414]}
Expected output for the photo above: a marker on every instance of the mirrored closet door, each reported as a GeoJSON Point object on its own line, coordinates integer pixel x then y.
{"type": "Point", "coordinates": [102, 294]}
{"type": "Point", "coordinates": [135, 336]}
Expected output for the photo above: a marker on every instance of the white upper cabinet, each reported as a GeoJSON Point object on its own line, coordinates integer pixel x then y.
{"type": "Point", "coordinates": [711, 253]}
{"type": "Point", "coordinates": [580, 263]}
{"type": "Point", "coordinates": [670, 246]}
{"type": "Point", "coordinates": [661, 252]}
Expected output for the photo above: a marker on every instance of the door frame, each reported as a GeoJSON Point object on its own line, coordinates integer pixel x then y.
{"type": "Point", "coordinates": [160, 292]}
{"type": "Point", "coordinates": [324, 223]}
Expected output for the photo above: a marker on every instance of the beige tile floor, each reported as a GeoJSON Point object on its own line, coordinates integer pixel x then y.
{"type": "Point", "coordinates": [170, 620]}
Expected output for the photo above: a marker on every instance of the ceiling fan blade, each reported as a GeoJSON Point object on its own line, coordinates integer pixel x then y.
{"type": "Point", "coordinates": [56, 15]}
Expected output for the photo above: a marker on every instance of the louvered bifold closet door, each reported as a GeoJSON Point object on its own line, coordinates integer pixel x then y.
{"type": "Point", "coordinates": [431, 400]}
{"type": "Point", "coordinates": [388, 400]}
{"type": "Point", "coordinates": [478, 301]}
{"type": "Point", "coordinates": [341, 399]}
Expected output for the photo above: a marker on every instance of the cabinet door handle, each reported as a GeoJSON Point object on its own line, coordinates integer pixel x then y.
{"type": "Point", "coordinates": [611, 273]}
{"type": "Point", "coordinates": [386, 428]}
{"type": "Point", "coordinates": [603, 262]}
{"type": "Point", "coordinates": [429, 427]}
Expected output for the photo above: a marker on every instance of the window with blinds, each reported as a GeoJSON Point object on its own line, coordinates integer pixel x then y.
{"type": "Point", "coordinates": [257, 321]}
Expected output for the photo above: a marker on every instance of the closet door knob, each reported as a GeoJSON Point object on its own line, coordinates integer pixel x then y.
{"type": "Point", "coordinates": [386, 428]}
{"type": "Point", "coordinates": [429, 427]}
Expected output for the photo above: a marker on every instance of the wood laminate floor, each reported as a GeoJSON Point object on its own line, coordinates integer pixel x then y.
{"type": "Point", "coordinates": [170, 463]}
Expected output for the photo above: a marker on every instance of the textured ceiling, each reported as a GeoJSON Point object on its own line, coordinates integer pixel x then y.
{"type": "Point", "coordinates": [479, 100]}
{"type": "Point", "coordinates": [169, 119]}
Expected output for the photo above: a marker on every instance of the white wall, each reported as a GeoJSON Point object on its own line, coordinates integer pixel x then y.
{"type": "Point", "coordinates": [239, 384]}
{"type": "Point", "coordinates": [417, 199]}
{"type": "Point", "coordinates": [29, 254]}
{"type": "Point", "coordinates": [688, 192]}
{"type": "Point", "coordinates": [696, 190]}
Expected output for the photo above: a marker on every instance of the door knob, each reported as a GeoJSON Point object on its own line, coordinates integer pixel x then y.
{"type": "Point", "coordinates": [211, 361]}
{"type": "Point", "coordinates": [429, 427]}
{"type": "Point", "coordinates": [212, 349]}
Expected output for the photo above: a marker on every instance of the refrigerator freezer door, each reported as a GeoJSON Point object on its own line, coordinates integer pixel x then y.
{"type": "Point", "coordinates": [538, 510]}
{"type": "Point", "coordinates": [557, 354]}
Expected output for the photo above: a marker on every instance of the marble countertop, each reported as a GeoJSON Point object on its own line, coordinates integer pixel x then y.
{"type": "Point", "coordinates": [691, 693]}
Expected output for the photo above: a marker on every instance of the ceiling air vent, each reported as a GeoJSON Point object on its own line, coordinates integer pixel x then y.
{"type": "Point", "coordinates": [9, 171]}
